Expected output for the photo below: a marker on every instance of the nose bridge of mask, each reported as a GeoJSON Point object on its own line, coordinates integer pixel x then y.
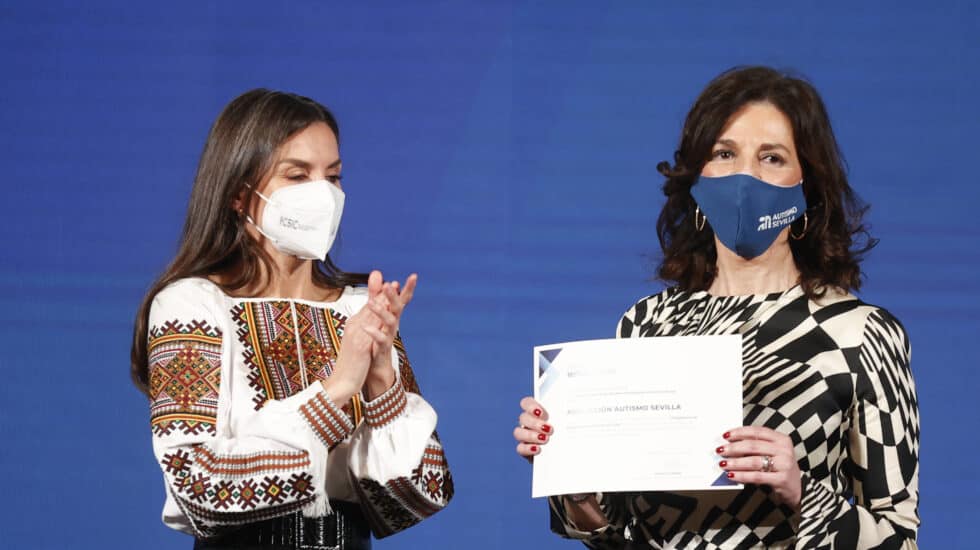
{"type": "Point", "coordinates": [279, 197]}
{"type": "Point", "coordinates": [741, 183]}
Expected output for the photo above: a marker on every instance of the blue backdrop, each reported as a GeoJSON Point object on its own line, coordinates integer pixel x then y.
{"type": "Point", "coordinates": [506, 152]}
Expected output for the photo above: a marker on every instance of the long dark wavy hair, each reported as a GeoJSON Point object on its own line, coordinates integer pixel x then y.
{"type": "Point", "coordinates": [836, 238]}
{"type": "Point", "coordinates": [239, 151]}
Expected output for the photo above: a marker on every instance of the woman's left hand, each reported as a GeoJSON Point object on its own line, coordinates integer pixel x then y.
{"type": "Point", "coordinates": [386, 301]}
{"type": "Point", "coordinates": [746, 454]}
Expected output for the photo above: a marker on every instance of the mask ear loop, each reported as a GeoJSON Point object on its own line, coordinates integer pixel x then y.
{"type": "Point", "coordinates": [248, 217]}
{"type": "Point", "coordinates": [259, 229]}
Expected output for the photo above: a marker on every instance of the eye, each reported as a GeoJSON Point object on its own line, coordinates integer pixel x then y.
{"type": "Point", "coordinates": [773, 158]}
{"type": "Point", "coordinates": [335, 179]}
{"type": "Point", "coordinates": [298, 177]}
{"type": "Point", "coordinates": [722, 154]}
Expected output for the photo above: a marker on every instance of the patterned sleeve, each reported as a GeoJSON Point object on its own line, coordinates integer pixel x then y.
{"type": "Point", "coordinates": [397, 464]}
{"type": "Point", "coordinates": [884, 454]}
{"type": "Point", "coordinates": [215, 480]}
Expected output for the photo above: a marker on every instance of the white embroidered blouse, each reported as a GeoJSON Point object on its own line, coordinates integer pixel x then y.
{"type": "Point", "coordinates": [243, 432]}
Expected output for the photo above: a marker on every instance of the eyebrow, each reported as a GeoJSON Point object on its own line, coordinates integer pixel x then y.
{"type": "Point", "coordinates": [305, 165]}
{"type": "Point", "coordinates": [762, 147]}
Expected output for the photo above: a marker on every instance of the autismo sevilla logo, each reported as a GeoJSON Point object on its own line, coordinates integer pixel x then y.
{"type": "Point", "coordinates": [785, 217]}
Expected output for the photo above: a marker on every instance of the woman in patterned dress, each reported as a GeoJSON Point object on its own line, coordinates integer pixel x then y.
{"type": "Point", "coordinates": [283, 408]}
{"type": "Point", "coordinates": [829, 448]}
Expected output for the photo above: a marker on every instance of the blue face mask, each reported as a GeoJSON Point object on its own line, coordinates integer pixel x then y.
{"type": "Point", "coordinates": [747, 213]}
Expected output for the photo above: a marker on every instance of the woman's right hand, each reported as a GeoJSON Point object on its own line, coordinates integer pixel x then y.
{"type": "Point", "coordinates": [532, 431]}
{"type": "Point", "coordinates": [353, 358]}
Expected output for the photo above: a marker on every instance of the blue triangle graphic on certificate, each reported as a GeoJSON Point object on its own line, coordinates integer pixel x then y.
{"type": "Point", "coordinates": [546, 373]}
{"type": "Point", "coordinates": [550, 354]}
{"type": "Point", "coordinates": [723, 480]}
{"type": "Point", "coordinates": [543, 365]}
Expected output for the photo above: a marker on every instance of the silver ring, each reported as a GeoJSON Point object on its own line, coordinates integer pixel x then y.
{"type": "Point", "coordinates": [767, 464]}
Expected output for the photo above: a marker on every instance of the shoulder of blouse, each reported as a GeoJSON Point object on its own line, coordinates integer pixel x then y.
{"type": "Point", "coordinates": [646, 308]}
{"type": "Point", "coordinates": [351, 300]}
{"type": "Point", "coordinates": [860, 322]}
{"type": "Point", "coordinates": [190, 290]}
{"type": "Point", "coordinates": [882, 325]}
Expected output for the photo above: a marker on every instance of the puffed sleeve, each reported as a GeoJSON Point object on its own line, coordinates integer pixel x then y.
{"type": "Point", "coordinates": [216, 480]}
{"type": "Point", "coordinates": [883, 454]}
{"type": "Point", "coordinates": [397, 464]}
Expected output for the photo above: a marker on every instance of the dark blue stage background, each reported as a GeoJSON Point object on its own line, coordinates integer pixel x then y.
{"type": "Point", "coordinates": [506, 152]}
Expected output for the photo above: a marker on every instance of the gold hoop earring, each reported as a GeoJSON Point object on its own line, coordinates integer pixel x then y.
{"type": "Point", "coordinates": [704, 219]}
{"type": "Point", "coordinates": [806, 223]}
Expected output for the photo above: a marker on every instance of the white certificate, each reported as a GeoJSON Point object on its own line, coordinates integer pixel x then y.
{"type": "Point", "coordinates": [637, 414]}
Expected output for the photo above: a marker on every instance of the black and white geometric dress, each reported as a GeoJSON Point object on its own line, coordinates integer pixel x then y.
{"type": "Point", "coordinates": [834, 376]}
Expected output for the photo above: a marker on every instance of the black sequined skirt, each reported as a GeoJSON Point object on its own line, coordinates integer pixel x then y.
{"type": "Point", "coordinates": [344, 529]}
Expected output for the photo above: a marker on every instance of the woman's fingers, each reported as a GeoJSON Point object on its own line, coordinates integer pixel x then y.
{"type": "Point", "coordinates": [378, 336]}
{"type": "Point", "coordinates": [398, 296]}
{"type": "Point", "coordinates": [748, 447]}
{"type": "Point", "coordinates": [393, 301]}
{"type": "Point", "coordinates": [754, 464]}
{"type": "Point", "coordinates": [756, 432]}
{"type": "Point", "coordinates": [408, 292]}
{"type": "Point", "coordinates": [529, 405]}
{"type": "Point", "coordinates": [531, 422]}
{"type": "Point", "coordinates": [375, 283]}
{"type": "Point", "coordinates": [533, 430]}
{"type": "Point", "coordinates": [762, 456]}
{"type": "Point", "coordinates": [388, 319]}
{"type": "Point", "coordinates": [528, 450]}
{"type": "Point", "coordinates": [532, 437]}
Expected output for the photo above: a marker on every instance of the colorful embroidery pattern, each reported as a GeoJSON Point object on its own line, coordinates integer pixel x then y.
{"type": "Point", "coordinates": [401, 502]}
{"type": "Point", "coordinates": [220, 498]}
{"type": "Point", "coordinates": [405, 368]}
{"type": "Point", "coordinates": [268, 333]}
{"type": "Point", "coordinates": [386, 407]}
{"type": "Point", "coordinates": [185, 373]}
{"type": "Point", "coordinates": [385, 514]}
{"type": "Point", "coordinates": [404, 501]}
{"type": "Point", "coordinates": [327, 421]}
{"type": "Point", "coordinates": [250, 464]}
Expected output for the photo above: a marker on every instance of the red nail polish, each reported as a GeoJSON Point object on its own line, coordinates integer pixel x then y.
{"type": "Point", "coordinates": [723, 463]}
{"type": "Point", "coordinates": [534, 448]}
{"type": "Point", "coordinates": [720, 450]}
{"type": "Point", "coordinates": [537, 412]}
{"type": "Point", "coordinates": [730, 475]}
{"type": "Point", "coordinates": [541, 437]}
{"type": "Point", "coordinates": [727, 435]}
{"type": "Point", "coordinates": [546, 428]}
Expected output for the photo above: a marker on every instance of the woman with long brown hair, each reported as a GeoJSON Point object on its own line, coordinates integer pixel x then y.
{"type": "Point", "coordinates": [762, 236]}
{"type": "Point", "coordinates": [283, 407]}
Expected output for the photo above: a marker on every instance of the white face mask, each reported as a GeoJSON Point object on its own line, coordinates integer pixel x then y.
{"type": "Point", "coordinates": [302, 219]}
